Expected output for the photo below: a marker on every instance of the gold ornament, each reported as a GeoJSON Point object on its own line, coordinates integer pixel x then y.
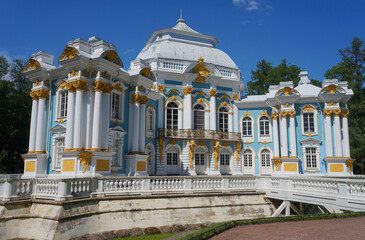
{"type": "Point", "coordinates": [336, 112]}
{"type": "Point", "coordinates": [32, 65]}
{"type": "Point", "coordinates": [68, 53]}
{"type": "Point", "coordinates": [85, 160]}
{"type": "Point", "coordinates": [192, 146]}
{"type": "Point", "coordinates": [216, 153]}
{"type": "Point", "coordinates": [161, 88]}
{"type": "Point", "coordinates": [146, 72]}
{"type": "Point", "coordinates": [238, 149]}
{"type": "Point", "coordinates": [274, 115]}
{"type": "Point", "coordinates": [98, 85]}
{"type": "Point", "coordinates": [331, 89]}
{"type": "Point", "coordinates": [345, 113]}
{"type": "Point", "coordinates": [235, 96]}
{"type": "Point", "coordinates": [79, 84]}
{"type": "Point", "coordinates": [277, 163]}
{"type": "Point", "coordinates": [108, 88]}
{"type": "Point", "coordinates": [118, 87]}
{"type": "Point", "coordinates": [308, 108]}
{"type": "Point", "coordinates": [188, 90]}
{"type": "Point", "coordinates": [287, 91]}
{"type": "Point", "coordinates": [161, 142]}
{"type": "Point", "coordinates": [292, 113]}
{"type": "Point", "coordinates": [283, 114]}
{"type": "Point", "coordinates": [349, 163]}
{"type": "Point", "coordinates": [213, 92]}
{"type": "Point", "coordinates": [105, 75]}
{"type": "Point", "coordinates": [42, 93]}
{"type": "Point", "coordinates": [327, 112]}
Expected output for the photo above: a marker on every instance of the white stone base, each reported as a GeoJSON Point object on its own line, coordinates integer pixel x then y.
{"type": "Point", "coordinates": [337, 166]}
{"type": "Point", "coordinates": [35, 165]}
{"type": "Point", "coordinates": [290, 166]}
{"type": "Point", "coordinates": [137, 165]}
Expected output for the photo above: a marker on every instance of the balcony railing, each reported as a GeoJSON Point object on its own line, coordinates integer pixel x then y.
{"type": "Point", "coordinates": [198, 134]}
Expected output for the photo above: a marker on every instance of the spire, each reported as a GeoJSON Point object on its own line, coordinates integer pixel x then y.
{"type": "Point", "coordinates": [181, 17]}
{"type": "Point", "coordinates": [304, 78]}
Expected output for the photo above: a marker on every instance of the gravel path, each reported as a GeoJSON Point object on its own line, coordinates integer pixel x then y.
{"type": "Point", "coordinates": [344, 228]}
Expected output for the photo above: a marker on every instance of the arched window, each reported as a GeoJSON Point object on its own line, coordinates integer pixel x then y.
{"type": "Point", "coordinates": [224, 157]}
{"type": "Point", "coordinates": [247, 158]}
{"type": "Point", "coordinates": [246, 127]}
{"type": "Point", "coordinates": [117, 106]}
{"type": "Point", "coordinates": [264, 126]}
{"type": "Point", "coordinates": [62, 103]}
{"type": "Point", "coordinates": [199, 116]}
{"type": "Point", "coordinates": [199, 156]}
{"type": "Point", "coordinates": [172, 156]}
{"type": "Point", "coordinates": [150, 122]}
{"type": "Point", "coordinates": [172, 116]}
{"type": "Point", "coordinates": [223, 119]}
{"type": "Point", "coordinates": [265, 158]}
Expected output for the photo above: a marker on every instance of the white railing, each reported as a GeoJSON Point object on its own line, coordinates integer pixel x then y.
{"type": "Point", "coordinates": [345, 193]}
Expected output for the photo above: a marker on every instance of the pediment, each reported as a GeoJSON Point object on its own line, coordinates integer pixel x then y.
{"type": "Point", "coordinates": [59, 128]}
{"type": "Point", "coordinates": [310, 140]}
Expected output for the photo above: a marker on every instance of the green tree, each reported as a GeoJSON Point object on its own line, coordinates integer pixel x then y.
{"type": "Point", "coordinates": [351, 69]}
{"type": "Point", "coordinates": [266, 75]}
{"type": "Point", "coordinates": [15, 107]}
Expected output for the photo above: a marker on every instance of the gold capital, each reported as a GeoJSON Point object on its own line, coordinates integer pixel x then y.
{"type": "Point", "coordinates": [144, 100]}
{"type": "Point", "coordinates": [235, 96]}
{"type": "Point", "coordinates": [98, 85]}
{"type": "Point", "coordinates": [79, 84]}
{"type": "Point", "coordinates": [345, 113]}
{"type": "Point", "coordinates": [33, 95]}
{"type": "Point", "coordinates": [213, 92]}
{"type": "Point", "coordinates": [42, 93]}
{"type": "Point", "coordinates": [70, 87]}
{"type": "Point", "coordinates": [108, 88]}
{"type": "Point", "coordinates": [292, 113]}
{"type": "Point", "coordinates": [274, 115]}
{"type": "Point", "coordinates": [283, 113]}
{"type": "Point", "coordinates": [327, 112]}
{"type": "Point", "coordinates": [336, 112]}
{"type": "Point", "coordinates": [136, 98]}
{"type": "Point", "coordinates": [188, 90]}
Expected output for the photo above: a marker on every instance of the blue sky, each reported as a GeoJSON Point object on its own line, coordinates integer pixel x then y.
{"type": "Point", "coordinates": [305, 32]}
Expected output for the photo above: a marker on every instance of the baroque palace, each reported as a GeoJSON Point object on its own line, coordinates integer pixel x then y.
{"type": "Point", "coordinates": [178, 110]}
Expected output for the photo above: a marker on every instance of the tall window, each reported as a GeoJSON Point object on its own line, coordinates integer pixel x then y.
{"type": "Point", "coordinates": [247, 158]}
{"type": "Point", "coordinates": [117, 106]}
{"type": "Point", "coordinates": [62, 107]}
{"type": "Point", "coordinates": [246, 127]}
{"type": "Point", "coordinates": [224, 157]}
{"type": "Point", "coordinates": [223, 119]}
{"type": "Point", "coordinates": [265, 158]}
{"type": "Point", "coordinates": [264, 126]}
{"type": "Point", "coordinates": [311, 157]}
{"type": "Point", "coordinates": [59, 148]}
{"type": "Point", "coordinates": [150, 121]}
{"type": "Point", "coordinates": [171, 158]}
{"type": "Point", "coordinates": [199, 156]}
{"type": "Point", "coordinates": [199, 116]}
{"type": "Point", "coordinates": [308, 122]}
{"type": "Point", "coordinates": [115, 149]}
{"type": "Point", "coordinates": [172, 115]}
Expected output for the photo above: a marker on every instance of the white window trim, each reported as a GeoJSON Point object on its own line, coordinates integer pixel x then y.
{"type": "Point", "coordinates": [121, 106]}
{"type": "Point", "coordinates": [118, 133]}
{"type": "Point", "coordinates": [151, 133]}
{"type": "Point", "coordinates": [248, 139]}
{"type": "Point", "coordinates": [315, 116]}
{"type": "Point", "coordinates": [260, 158]}
{"type": "Point", "coordinates": [55, 137]}
{"type": "Point", "coordinates": [58, 104]}
{"type": "Point", "coordinates": [230, 113]}
{"type": "Point", "coordinates": [318, 155]}
{"type": "Point", "coordinates": [179, 114]}
{"type": "Point", "coordinates": [264, 139]}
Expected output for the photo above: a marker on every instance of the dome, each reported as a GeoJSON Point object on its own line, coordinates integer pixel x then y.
{"type": "Point", "coordinates": [181, 43]}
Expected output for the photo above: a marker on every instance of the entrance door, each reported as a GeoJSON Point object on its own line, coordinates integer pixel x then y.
{"type": "Point", "coordinates": [225, 161]}
{"type": "Point", "coordinates": [265, 161]}
{"type": "Point", "coordinates": [200, 161]}
{"type": "Point", "coordinates": [248, 162]}
{"type": "Point", "coordinates": [172, 163]}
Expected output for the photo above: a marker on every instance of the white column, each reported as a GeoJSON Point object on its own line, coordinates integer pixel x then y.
{"type": "Point", "coordinates": [96, 141]}
{"type": "Point", "coordinates": [213, 117]}
{"type": "Point", "coordinates": [345, 134]}
{"type": "Point", "coordinates": [187, 111]}
{"type": "Point", "coordinates": [39, 146]}
{"type": "Point", "coordinates": [235, 119]}
{"type": "Point", "coordinates": [70, 119]}
{"type": "Point", "coordinates": [293, 138]}
{"type": "Point", "coordinates": [105, 121]}
{"type": "Point", "coordinates": [33, 125]}
{"type": "Point", "coordinates": [135, 130]}
{"type": "Point", "coordinates": [275, 135]}
{"type": "Point", "coordinates": [89, 119]}
{"type": "Point", "coordinates": [337, 132]}
{"type": "Point", "coordinates": [230, 123]}
{"type": "Point", "coordinates": [283, 134]}
{"type": "Point", "coordinates": [142, 117]}
{"type": "Point", "coordinates": [328, 135]}
{"type": "Point", "coordinates": [78, 120]}
{"type": "Point", "coordinates": [130, 126]}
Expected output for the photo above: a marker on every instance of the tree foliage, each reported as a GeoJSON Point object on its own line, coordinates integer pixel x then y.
{"type": "Point", "coordinates": [15, 107]}
{"type": "Point", "coordinates": [352, 69]}
{"type": "Point", "coordinates": [266, 75]}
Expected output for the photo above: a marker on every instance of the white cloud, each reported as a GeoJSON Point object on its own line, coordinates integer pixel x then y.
{"type": "Point", "coordinates": [250, 5]}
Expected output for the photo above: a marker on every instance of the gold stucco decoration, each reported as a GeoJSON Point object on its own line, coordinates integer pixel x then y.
{"type": "Point", "coordinates": [108, 88]}
{"type": "Point", "coordinates": [235, 96]}
{"type": "Point", "coordinates": [118, 87]}
{"type": "Point", "coordinates": [238, 149]}
{"type": "Point", "coordinates": [336, 112]}
{"type": "Point", "coordinates": [161, 142]}
{"type": "Point", "coordinates": [68, 53]}
{"type": "Point", "coordinates": [79, 84]}
{"type": "Point", "coordinates": [213, 92]}
{"type": "Point", "coordinates": [308, 108]}
{"type": "Point", "coordinates": [74, 73]}
{"type": "Point", "coordinates": [85, 160]}
{"type": "Point", "coordinates": [345, 113]}
{"type": "Point", "coordinates": [42, 93]}
{"type": "Point", "coordinates": [161, 88]}
{"type": "Point", "coordinates": [292, 113]}
{"type": "Point", "coordinates": [277, 163]}
{"type": "Point", "coordinates": [105, 75]}
{"type": "Point", "coordinates": [283, 113]}
{"type": "Point", "coordinates": [85, 73]}
{"type": "Point", "coordinates": [98, 85]}
{"type": "Point", "coordinates": [112, 56]}
{"type": "Point", "coordinates": [331, 89]}
{"type": "Point", "coordinates": [202, 70]}
{"type": "Point", "coordinates": [192, 147]}
{"type": "Point", "coordinates": [216, 153]}
{"type": "Point", "coordinates": [263, 113]}
{"type": "Point", "coordinates": [327, 112]}
{"type": "Point", "coordinates": [146, 72]}
{"type": "Point", "coordinates": [188, 90]}
{"type": "Point", "coordinates": [136, 98]}
{"type": "Point", "coordinates": [274, 115]}
{"type": "Point", "coordinates": [349, 163]}
{"type": "Point", "coordinates": [32, 65]}
{"type": "Point", "coordinates": [287, 91]}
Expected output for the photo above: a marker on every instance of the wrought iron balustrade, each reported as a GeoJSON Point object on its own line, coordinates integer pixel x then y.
{"type": "Point", "coordinates": [198, 134]}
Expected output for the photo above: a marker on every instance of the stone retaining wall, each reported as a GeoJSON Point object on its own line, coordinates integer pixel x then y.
{"type": "Point", "coordinates": [42, 219]}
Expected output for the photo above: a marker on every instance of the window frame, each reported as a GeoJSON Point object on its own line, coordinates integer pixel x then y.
{"type": "Point", "coordinates": [225, 152]}
{"type": "Point", "coordinates": [309, 108]}
{"type": "Point", "coordinates": [224, 114]}
{"type": "Point", "coordinates": [150, 132]}
{"type": "Point", "coordinates": [121, 107]}
{"type": "Point", "coordinates": [252, 158]}
{"type": "Point", "coordinates": [266, 137]}
{"type": "Point", "coordinates": [58, 106]}
{"type": "Point", "coordinates": [317, 154]}
{"type": "Point", "coordinates": [177, 114]}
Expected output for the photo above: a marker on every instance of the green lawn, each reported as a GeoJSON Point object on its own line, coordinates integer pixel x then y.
{"type": "Point", "coordinates": [148, 237]}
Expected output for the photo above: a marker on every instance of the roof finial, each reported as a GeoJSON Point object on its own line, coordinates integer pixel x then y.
{"type": "Point", "coordinates": [181, 17]}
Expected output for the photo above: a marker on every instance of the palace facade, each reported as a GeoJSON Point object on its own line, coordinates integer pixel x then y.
{"type": "Point", "coordinates": [178, 110]}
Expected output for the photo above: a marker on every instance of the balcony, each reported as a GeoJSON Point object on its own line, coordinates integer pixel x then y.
{"type": "Point", "coordinates": [209, 135]}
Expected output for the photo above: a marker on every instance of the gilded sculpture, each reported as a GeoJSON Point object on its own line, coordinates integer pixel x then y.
{"type": "Point", "coordinates": [112, 56]}
{"type": "Point", "coordinates": [146, 72]}
{"type": "Point", "coordinates": [161, 142]}
{"type": "Point", "coordinates": [287, 91]}
{"type": "Point", "coordinates": [238, 149]}
{"type": "Point", "coordinates": [277, 163]}
{"type": "Point", "coordinates": [192, 147]}
{"type": "Point", "coordinates": [202, 70]}
{"type": "Point", "coordinates": [85, 160]}
{"type": "Point", "coordinates": [216, 153]}
{"type": "Point", "coordinates": [68, 53]}
{"type": "Point", "coordinates": [32, 65]}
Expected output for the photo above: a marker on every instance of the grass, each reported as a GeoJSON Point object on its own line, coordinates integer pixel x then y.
{"type": "Point", "coordinates": [203, 230]}
{"type": "Point", "coordinates": [148, 237]}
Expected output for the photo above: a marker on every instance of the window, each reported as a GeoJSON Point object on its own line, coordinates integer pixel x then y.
{"type": "Point", "coordinates": [199, 116]}
{"type": "Point", "coordinates": [59, 148]}
{"type": "Point", "coordinates": [264, 126]}
{"type": "Point", "coordinates": [224, 157]}
{"type": "Point", "coordinates": [308, 122]}
{"type": "Point", "coordinates": [311, 157]}
{"type": "Point", "coordinates": [115, 150]}
{"type": "Point", "coordinates": [171, 158]}
{"type": "Point", "coordinates": [150, 121]}
{"type": "Point", "coordinates": [265, 158]}
{"type": "Point", "coordinates": [62, 107]}
{"type": "Point", "coordinates": [199, 159]}
{"type": "Point", "coordinates": [223, 119]}
{"type": "Point", "coordinates": [246, 127]}
{"type": "Point", "coordinates": [172, 116]}
{"type": "Point", "coordinates": [117, 106]}
{"type": "Point", "coordinates": [247, 158]}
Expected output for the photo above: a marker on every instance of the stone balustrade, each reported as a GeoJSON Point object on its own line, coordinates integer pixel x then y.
{"type": "Point", "coordinates": [344, 193]}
